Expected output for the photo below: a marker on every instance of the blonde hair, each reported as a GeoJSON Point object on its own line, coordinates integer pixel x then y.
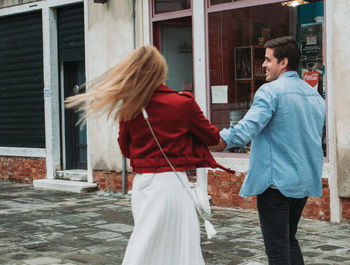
{"type": "Point", "coordinates": [125, 88]}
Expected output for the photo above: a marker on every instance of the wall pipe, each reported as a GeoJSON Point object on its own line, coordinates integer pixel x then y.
{"type": "Point", "coordinates": [124, 174]}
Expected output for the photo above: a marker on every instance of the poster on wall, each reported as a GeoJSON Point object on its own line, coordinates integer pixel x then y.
{"type": "Point", "coordinates": [311, 47]}
{"type": "Point", "coordinates": [243, 63]}
{"type": "Point", "coordinates": [312, 78]}
{"type": "Point", "coordinates": [219, 94]}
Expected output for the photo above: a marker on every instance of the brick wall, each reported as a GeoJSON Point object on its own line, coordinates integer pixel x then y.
{"type": "Point", "coordinates": [22, 169]}
{"type": "Point", "coordinates": [319, 207]}
{"type": "Point", "coordinates": [345, 202]}
{"type": "Point", "coordinates": [224, 190]}
{"type": "Point", "coordinates": [112, 181]}
{"type": "Point", "coordinates": [222, 187]}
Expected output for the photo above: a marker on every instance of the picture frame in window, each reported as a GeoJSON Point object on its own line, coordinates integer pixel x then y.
{"type": "Point", "coordinates": [243, 63]}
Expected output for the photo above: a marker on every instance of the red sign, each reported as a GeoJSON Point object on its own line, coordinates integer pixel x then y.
{"type": "Point", "coordinates": [312, 78]}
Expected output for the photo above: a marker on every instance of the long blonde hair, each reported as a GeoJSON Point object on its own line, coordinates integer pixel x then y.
{"type": "Point", "coordinates": [124, 89]}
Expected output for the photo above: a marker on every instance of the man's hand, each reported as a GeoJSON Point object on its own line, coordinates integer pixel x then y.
{"type": "Point", "coordinates": [219, 147]}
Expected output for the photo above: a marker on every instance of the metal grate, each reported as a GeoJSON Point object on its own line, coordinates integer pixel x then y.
{"type": "Point", "coordinates": [22, 122]}
{"type": "Point", "coordinates": [70, 21]}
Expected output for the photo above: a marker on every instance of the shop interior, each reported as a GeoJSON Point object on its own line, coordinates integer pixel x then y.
{"type": "Point", "coordinates": [236, 38]}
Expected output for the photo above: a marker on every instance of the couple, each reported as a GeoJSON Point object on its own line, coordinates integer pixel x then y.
{"type": "Point", "coordinates": [284, 123]}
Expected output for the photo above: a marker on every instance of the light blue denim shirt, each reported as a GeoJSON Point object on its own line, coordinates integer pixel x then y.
{"type": "Point", "coordinates": [285, 125]}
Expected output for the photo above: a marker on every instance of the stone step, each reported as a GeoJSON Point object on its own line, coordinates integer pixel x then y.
{"type": "Point", "coordinates": [64, 185]}
{"type": "Point", "coordinates": [72, 174]}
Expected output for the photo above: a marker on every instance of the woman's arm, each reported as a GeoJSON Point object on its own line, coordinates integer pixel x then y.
{"type": "Point", "coordinates": [124, 140]}
{"type": "Point", "coordinates": [201, 127]}
{"type": "Point", "coordinates": [219, 147]}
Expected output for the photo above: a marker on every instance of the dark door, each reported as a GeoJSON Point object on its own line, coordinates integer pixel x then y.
{"type": "Point", "coordinates": [75, 134]}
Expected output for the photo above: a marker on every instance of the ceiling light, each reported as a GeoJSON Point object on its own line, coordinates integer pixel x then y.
{"type": "Point", "coordinates": [294, 3]}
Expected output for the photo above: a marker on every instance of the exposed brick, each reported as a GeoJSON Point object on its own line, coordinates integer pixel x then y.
{"type": "Point", "coordinates": [112, 181]}
{"type": "Point", "coordinates": [221, 184]}
{"type": "Point", "coordinates": [224, 190]}
{"type": "Point", "coordinates": [345, 208]}
{"type": "Point", "coordinates": [22, 169]}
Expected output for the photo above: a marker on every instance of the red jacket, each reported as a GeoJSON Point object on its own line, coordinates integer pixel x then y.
{"type": "Point", "coordinates": [181, 129]}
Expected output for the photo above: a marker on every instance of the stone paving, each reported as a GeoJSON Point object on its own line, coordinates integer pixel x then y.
{"type": "Point", "coordinates": [39, 227]}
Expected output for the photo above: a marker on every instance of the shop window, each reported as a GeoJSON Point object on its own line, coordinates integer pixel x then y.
{"type": "Point", "coordinates": [162, 6]}
{"type": "Point", "coordinates": [174, 40]}
{"type": "Point", "coordinates": [215, 2]}
{"type": "Point", "coordinates": [236, 38]}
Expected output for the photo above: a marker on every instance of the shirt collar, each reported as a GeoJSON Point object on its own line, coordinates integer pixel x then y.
{"type": "Point", "coordinates": [289, 74]}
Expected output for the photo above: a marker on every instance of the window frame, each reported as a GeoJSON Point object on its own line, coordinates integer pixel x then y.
{"type": "Point", "coordinates": [168, 15]}
{"type": "Point", "coordinates": [155, 32]}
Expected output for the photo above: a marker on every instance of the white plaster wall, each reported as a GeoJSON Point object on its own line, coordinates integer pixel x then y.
{"type": "Point", "coordinates": [110, 37]}
{"type": "Point", "coordinates": [330, 167]}
{"type": "Point", "coordinates": [341, 77]}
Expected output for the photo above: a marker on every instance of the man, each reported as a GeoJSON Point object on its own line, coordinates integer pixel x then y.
{"type": "Point", "coordinates": [285, 125]}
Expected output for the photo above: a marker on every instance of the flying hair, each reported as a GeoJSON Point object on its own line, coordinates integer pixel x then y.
{"type": "Point", "coordinates": [123, 90]}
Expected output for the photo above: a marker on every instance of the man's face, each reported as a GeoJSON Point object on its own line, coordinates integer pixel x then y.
{"type": "Point", "coordinates": [272, 68]}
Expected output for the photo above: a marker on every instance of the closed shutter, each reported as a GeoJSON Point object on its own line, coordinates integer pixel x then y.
{"type": "Point", "coordinates": [70, 21]}
{"type": "Point", "coordinates": [22, 122]}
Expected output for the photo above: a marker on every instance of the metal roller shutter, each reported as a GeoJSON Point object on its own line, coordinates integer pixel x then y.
{"type": "Point", "coordinates": [22, 122]}
{"type": "Point", "coordinates": [70, 21]}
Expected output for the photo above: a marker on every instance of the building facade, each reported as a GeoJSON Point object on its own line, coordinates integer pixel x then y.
{"type": "Point", "coordinates": [214, 48]}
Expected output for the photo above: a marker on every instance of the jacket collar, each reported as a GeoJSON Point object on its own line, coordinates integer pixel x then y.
{"type": "Point", "coordinates": [163, 88]}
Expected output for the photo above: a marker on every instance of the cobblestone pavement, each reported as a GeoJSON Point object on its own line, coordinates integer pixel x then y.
{"type": "Point", "coordinates": [52, 227]}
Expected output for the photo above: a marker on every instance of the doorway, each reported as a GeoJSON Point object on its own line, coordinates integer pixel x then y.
{"type": "Point", "coordinates": [174, 39]}
{"type": "Point", "coordinates": [73, 133]}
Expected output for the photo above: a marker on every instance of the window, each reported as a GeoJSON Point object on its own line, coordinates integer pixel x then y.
{"type": "Point", "coordinates": [215, 2]}
{"type": "Point", "coordinates": [235, 41]}
{"type": "Point", "coordinates": [162, 6]}
{"type": "Point", "coordinates": [172, 35]}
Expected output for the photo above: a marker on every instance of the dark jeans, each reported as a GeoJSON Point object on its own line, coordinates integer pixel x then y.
{"type": "Point", "coordinates": [279, 218]}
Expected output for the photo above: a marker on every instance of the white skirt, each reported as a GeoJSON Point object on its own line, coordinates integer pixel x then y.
{"type": "Point", "coordinates": [166, 228]}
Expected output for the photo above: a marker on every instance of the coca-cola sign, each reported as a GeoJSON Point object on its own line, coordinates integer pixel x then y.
{"type": "Point", "coordinates": [312, 78]}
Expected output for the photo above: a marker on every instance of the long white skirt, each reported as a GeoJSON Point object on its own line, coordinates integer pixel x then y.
{"type": "Point", "coordinates": [166, 228]}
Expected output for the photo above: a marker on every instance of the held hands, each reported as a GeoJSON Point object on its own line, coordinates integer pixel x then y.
{"type": "Point", "coordinates": [219, 147]}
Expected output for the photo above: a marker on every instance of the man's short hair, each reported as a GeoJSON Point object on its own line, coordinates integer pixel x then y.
{"type": "Point", "coordinates": [286, 47]}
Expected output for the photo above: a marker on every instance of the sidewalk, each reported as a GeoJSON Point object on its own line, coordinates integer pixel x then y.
{"type": "Point", "coordinates": [51, 227]}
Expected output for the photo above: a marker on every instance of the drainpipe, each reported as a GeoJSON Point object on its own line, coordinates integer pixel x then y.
{"type": "Point", "coordinates": [133, 23]}
{"type": "Point", "coordinates": [134, 47]}
{"type": "Point", "coordinates": [124, 174]}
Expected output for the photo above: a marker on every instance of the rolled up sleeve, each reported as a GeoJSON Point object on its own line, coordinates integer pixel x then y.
{"type": "Point", "coordinates": [255, 120]}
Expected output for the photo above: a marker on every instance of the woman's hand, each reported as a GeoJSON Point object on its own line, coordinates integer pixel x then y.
{"type": "Point", "coordinates": [219, 147]}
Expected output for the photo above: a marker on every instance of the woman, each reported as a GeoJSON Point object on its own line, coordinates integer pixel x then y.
{"type": "Point", "coordinates": [166, 228]}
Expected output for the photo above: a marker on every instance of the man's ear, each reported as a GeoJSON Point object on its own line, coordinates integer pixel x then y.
{"type": "Point", "coordinates": [284, 62]}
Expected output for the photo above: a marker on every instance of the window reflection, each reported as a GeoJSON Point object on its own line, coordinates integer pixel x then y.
{"type": "Point", "coordinates": [236, 53]}
{"type": "Point", "coordinates": [162, 6]}
{"type": "Point", "coordinates": [215, 2]}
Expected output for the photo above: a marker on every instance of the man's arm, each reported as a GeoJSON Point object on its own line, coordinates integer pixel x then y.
{"type": "Point", "coordinates": [255, 120]}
